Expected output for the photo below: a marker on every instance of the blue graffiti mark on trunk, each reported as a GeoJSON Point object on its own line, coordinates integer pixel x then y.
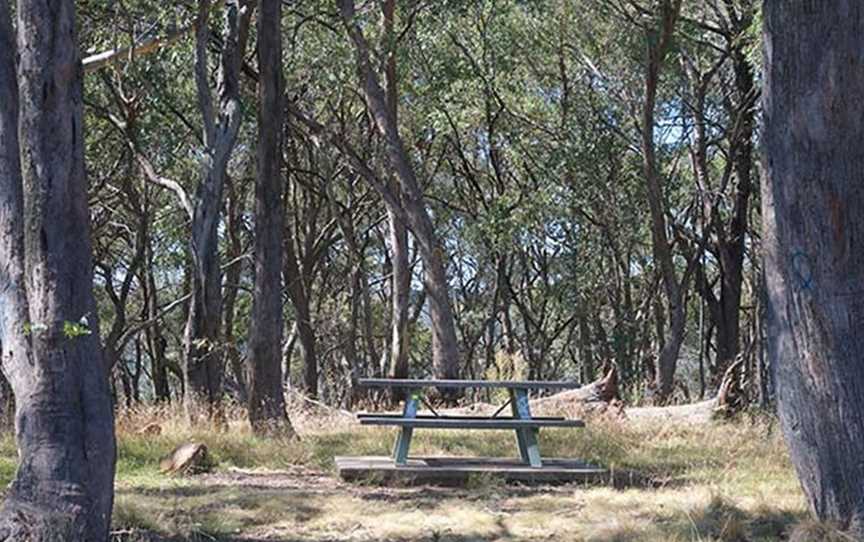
{"type": "Point", "coordinates": [802, 266]}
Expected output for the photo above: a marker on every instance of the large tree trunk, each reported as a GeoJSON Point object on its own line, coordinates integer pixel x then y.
{"type": "Point", "coordinates": [63, 489]}
{"type": "Point", "coordinates": [445, 348]}
{"type": "Point", "coordinates": [813, 234]}
{"type": "Point", "coordinates": [203, 368]}
{"type": "Point", "coordinates": [266, 397]}
{"type": "Point", "coordinates": [13, 298]}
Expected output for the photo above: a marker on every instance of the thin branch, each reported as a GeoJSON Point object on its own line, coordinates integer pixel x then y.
{"type": "Point", "coordinates": [150, 171]}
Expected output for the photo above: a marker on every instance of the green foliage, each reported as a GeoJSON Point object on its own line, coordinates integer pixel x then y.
{"type": "Point", "coordinates": [522, 122]}
{"type": "Point", "coordinates": [72, 330]}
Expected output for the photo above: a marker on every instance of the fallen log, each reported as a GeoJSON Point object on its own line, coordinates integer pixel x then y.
{"type": "Point", "coordinates": [598, 395]}
{"type": "Point", "coordinates": [604, 390]}
{"type": "Point", "coordinates": [730, 399]}
{"type": "Point", "coordinates": [701, 412]}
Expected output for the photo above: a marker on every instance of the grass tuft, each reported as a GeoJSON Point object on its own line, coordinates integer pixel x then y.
{"type": "Point", "coordinates": [721, 520]}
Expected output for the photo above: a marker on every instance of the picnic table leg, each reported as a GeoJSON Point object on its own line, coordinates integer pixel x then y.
{"type": "Point", "coordinates": [403, 441]}
{"type": "Point", "coordinates": [527, 438]}
{"type": "Point", "coordinates": [520, 438]}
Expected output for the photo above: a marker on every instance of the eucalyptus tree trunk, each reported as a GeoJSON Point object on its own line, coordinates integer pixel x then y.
{"type": "Point", "coordinates": [63, 489]}
{"type": "Point", "coordinates": [203, 370]}
{"type": "Point", "coordinates": [360, 302]}
{"type": "Point", "coordinates": [813, 235]}
{"type": "Point", "coordinates": [659, 40]}
{"type": "Point", "coordinates": [233, 272]}
{"type": "Point", "coordinates": [732, 252]}
{"type": "Point", "coordinates": [731, 245]}
{"type": "Point", "coordinates": [400, 296]}
{"type": "Point", "coordinates": [401, 281]}
{"type": "Point", "coordinates": [156, 342]}
{"type": "Point", "coordinates": [445, 348]}
{"type": "Point", "coordinates": [266, 397]}
{"type": "Point", "coordinates": [117, 338]}
{"type": "Point", "coordinates": [13, 298]}
{"type": "Point", "coordinates": [734, 247]}
{"type": "Point", "coordinates": [297, 281]}
{"type": "Point", "coordinates": [730, 233]}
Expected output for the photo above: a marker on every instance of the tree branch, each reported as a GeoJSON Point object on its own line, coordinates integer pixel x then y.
{"type": "Point", "coordinates": [141, 47]}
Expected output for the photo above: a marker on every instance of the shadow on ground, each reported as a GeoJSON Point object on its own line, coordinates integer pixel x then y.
{"type": "Point", "coordinates": [718, 521]}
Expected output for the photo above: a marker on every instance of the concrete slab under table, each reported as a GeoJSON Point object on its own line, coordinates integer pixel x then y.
{"type": "Point", "coordinates": [459, 470]}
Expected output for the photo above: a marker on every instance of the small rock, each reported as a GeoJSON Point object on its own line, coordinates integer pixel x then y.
{"type": "Point", "coordinates": [189, 458]}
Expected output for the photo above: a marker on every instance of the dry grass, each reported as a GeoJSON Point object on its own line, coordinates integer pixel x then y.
{"type": "Point", "coordinates": [808, 531]}
{"type": "Point", "coordinates": [719, 482]}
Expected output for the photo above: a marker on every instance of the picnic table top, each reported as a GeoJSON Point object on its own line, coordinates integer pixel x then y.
{"type": "Point", "coordinates": [510, 384]}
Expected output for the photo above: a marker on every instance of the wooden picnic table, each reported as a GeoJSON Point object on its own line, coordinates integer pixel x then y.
{"type": "Point", "coordinates": [520, 419]}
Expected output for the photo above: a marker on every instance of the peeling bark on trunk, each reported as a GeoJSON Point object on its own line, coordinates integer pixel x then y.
{"type": "Point", "coordinates": [266, 398]}
{"type": "Point", "coordinates": [63, 489]}
{"type": "Point", "coordinates": [813, 234]}
{"type": "Point", "coordinates": [13, 299]}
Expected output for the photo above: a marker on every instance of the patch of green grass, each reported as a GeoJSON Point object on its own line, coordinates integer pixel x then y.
{"type": "Point", "coordinates": [131, 514]}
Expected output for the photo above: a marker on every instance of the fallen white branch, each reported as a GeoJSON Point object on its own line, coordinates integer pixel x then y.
{"type": "Point", "coordinates": [142, 47]}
